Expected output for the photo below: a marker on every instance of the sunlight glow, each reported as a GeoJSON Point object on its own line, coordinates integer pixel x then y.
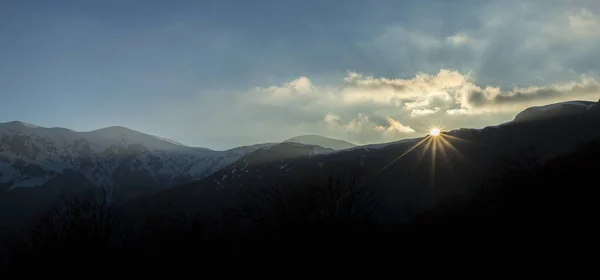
{"type": "Point", "coordinates": [432, 144]}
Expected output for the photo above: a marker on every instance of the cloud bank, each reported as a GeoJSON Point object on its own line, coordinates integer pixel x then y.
{"type": "Point", "coordinates": [371, 109]}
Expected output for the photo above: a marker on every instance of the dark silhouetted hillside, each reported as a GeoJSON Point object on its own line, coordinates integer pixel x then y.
{"type": "Point", "coordinates": [543, 209]}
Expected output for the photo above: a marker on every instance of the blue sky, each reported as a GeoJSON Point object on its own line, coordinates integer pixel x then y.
{"type": "Point", "coordinates": [225, 73]}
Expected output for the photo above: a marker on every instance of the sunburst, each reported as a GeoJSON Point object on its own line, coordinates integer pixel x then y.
{"type": "Point", "coordinates": [435, 142]}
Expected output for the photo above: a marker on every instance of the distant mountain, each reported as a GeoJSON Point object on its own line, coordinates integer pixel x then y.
{"type": "Point", "coordinates": [322, 141]}
{"type": "Point", "coordinates": [38, 164]}
{"type": "Point", "coordinates": [31, 156]}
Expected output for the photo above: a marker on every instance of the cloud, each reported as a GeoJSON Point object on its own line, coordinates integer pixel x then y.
{"type": "Point", "coordinates": [487, 100]}
{"type": "Point", "coordinates": [363, 128]}
{"type": "Point", "coordinates": [298, 89]}
{"type": "Point", "coordinates": [396, 126]}
{"type": "Point", "coordinates": [331, 119]}
{"type": "Point", "coordinates": [585, 23]}
{"type": "Point", "coordinates": [421, 112]}
{"type": "Point", "coordinates": [366, 109]}
{"type": "Point", "coordinates": [459, 39]}
{"type": "Point", "coordinates": [363, 122]}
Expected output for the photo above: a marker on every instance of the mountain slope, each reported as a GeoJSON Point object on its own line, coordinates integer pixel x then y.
{"type": "Point", "coordinates": [325, 142]}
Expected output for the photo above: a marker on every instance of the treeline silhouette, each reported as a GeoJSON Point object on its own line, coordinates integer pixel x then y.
{"type": "Point", "coordinates": [536, 208]}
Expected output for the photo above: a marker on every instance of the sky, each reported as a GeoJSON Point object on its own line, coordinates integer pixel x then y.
{"type": "Point", "coordinates": [223, 73]}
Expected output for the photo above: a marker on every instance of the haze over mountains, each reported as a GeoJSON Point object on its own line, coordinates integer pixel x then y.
{"type": "Point", "coordinates": [132, 164]}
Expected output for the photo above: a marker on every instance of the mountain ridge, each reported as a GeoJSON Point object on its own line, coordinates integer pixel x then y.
{"type": "Point", "coordinates": [33, 157]}
{"type": "Point", "coordinates": [323, 141]}
{"type": "Point", "coordinates": [28, 150]}
{"type": "Point", "coordinates": [110, 132]}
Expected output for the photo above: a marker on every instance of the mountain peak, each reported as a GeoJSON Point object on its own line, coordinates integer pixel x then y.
{"type": "Point", "coordinates": [18, 124]}
{"type": "Point", "coordinates": [121, 132]}
{"type": "Point", "coordinates": [115, 129]}
{"type": "Point", "coordinates": [322, 141]}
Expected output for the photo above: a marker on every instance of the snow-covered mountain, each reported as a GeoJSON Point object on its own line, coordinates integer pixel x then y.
{"type": "Point", "coordinates": [31, 156]}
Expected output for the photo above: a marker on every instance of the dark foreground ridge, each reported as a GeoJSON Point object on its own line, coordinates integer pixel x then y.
{"type": "Point", "coordinates": [535, 210]}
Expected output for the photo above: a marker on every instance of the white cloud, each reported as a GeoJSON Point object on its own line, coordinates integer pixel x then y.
{"type": "Point", "coordinates": [584, 23]}
{"type": "Point", "coordinates": [331, 119]}
{"type": "Point", "coordinates": [375, 109]}
{"type": "Point", "coordinates": [422, 112]}
{"type": "Point", "coordinates": [301, 88]}
{"type": "Point", "coordinates": [363, 128]}
{"type": "Point", "coordinates": [395, 126]}
{"type": "Point", "coordinates": [459, 39]}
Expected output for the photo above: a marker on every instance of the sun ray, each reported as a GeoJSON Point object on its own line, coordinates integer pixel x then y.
{"type": "Point", "coordinates": [422, 153]}
{"type": "Point", "coordinates": [365, 183]}
{"type": "Point", "coordinates": [449, 145]}
{"type": "Point", "coordinates": [433, 141]}
{"type": "Point", "coordinates": [407, 151]}
{"type": "Point", "coordinates": [433, 163]}
{"type": "Point", "coordinates": [396, 159]}
{"type": "Point", "coordinates": [457, 139]}
{"type": "Point", "coordinates": [439, 141]}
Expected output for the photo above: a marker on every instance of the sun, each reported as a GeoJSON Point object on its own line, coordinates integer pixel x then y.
{"type": "Point", "coordinates": [434, 132]}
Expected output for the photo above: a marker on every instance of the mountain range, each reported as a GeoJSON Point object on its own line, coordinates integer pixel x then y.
{"type": "Point", "coordinates": [31, 156]}
{"type": "Point", "coordinates": [36, 163]}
